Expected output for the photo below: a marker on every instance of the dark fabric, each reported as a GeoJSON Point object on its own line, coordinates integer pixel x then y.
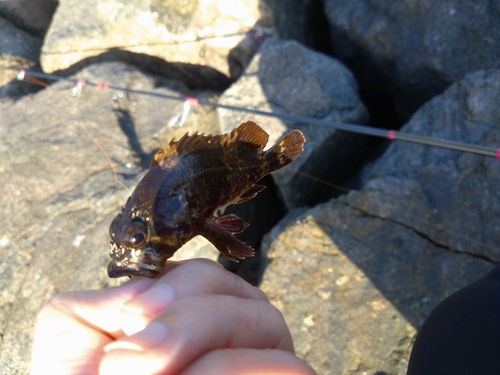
{"type": "Point", "coordinates": [462, 335]}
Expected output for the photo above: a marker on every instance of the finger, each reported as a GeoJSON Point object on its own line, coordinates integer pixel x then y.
{"type": "Point", "coordinates": [249, 362]}
{"type": "Point", "coordinates": [73, 327]}
{"type": "Point", "coordinates": [204, 276]}
{"type": "Point", "coordinates": [194, 326]}
{"type": "Point", "coordinates": [98, 308]}
{"type": "Point", "coordinates": [193, 277]}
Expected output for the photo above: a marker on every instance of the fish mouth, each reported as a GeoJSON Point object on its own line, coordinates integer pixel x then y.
{"type": "Point", "coordinates": [131, 262]}
{"type": "Point", "coordinates": [120, 269]}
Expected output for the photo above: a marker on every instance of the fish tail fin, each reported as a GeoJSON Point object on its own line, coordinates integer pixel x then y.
{"type": "Point", "coordinates": [286, 150]}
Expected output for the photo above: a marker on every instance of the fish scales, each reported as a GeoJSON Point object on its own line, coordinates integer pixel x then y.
{"type": "Point", "coordinates": [216, 178]}
{"type": "Point", "coordinates": [187, 183]}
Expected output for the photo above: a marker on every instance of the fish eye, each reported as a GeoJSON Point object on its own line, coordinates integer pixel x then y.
{"type": "Point", "coordinates": [135, 235]}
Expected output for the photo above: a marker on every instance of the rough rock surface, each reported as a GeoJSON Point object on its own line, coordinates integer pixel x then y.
{"type": "Point", "coordinates": [33, 16]}
{"type": "Point", "coordinates": [356, 277]}
{"type": "Point", "coordinates": [58, 194]}
{"type": "Point", "coordinates": [412, 50]}
{"type": "Point", "coordinates": [285, 77]}
{"type": "Point", "coordinates": [200, 32]}
{"type": "Point", "coordinates": [354, 288]}
{"type": "Point", "coordinates": [18, 49]}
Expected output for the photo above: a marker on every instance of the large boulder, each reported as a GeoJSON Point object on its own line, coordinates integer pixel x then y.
{"type": "Point", "coordinates": [33, 16]}
{"type": "Point", "coordinates": [354, 288]}
{"type": "Point", "coordinates": [412, 50]}
{"type": "Point", "coordinates": [356, 277]}
{"type": "Point", "coordinates": [200, 32]}
{"type": "Point", "coordinates": [285, 77]}
{"type": "Point", "coordinates": [449, 193]}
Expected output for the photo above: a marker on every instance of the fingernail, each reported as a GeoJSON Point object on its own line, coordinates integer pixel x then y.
{"type": "Point", "coordinates": [154, 334]}
{"type": "Point", "coordinates": [152, 301]}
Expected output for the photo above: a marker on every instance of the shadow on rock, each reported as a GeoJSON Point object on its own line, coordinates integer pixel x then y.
{"type": "Point", "coordinates": [195, 77]}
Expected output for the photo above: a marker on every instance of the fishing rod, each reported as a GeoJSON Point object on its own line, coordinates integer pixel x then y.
{"type": "Point", "coordinates": [389, 134]}
{"type": "Point", "coordinates": [360, 129]}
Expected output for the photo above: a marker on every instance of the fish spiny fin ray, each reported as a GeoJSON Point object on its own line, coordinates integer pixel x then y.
{"type": "Point", "coordinates": [187, 144]}
{"type": "Point", "coordinates": [163, 154]}
{"type": "Point", "coordinates": [191, 143]}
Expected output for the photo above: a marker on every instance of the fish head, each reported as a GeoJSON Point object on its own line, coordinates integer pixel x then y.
{"type": "Point", "coordinates": [147, 232]}
{"type": "Point", "coordinates": [138, 250]}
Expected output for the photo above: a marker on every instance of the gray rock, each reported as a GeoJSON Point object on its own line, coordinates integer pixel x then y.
{"type": "Point", "coordinates": [18, 49]}
{"type": "Point", "coordinates": [296, 19]}
{"type": "Point", "coordinates": [412, 50]}
{"type": "Point", "coordinates": [57, 191]}
{"type": "Point", "coordinates": [33, 16]}
{"type": "Point", "coordinates": [445, 189]}
{"type": "Point", "coordinates": [285, 77]}
{"type": "Point", "coordinates": [354, 288]}
{"type": "Point", "coordinates": [356, 277]}
{"type": "Point", "coordinates": [195, 32]}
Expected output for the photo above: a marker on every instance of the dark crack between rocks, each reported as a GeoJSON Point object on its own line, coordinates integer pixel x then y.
{"type": "Point", "coordinates": [428, 238]}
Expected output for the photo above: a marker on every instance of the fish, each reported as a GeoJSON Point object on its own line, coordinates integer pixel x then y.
{"type": "Point", "coordinates": [187, 184]}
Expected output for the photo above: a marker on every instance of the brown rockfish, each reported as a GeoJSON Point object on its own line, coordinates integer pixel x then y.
{"type": "Point", "coordinates": [187, 183]}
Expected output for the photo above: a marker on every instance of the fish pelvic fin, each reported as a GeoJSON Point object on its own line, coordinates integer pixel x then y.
{"type": "Point", "coordinates": [287, 149]}
{"type": "Point", "coordinates": [231, 223]}
{"type": "Point", "coordinates": [225, 242]}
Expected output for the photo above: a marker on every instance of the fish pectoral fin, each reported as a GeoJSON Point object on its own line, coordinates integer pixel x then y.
{"type": "Point", "coordinates": [225, 242]}
{"type": "Point", "coordinates": [250, 193]}
{"type": "Point", "coordinates": [230, 223]}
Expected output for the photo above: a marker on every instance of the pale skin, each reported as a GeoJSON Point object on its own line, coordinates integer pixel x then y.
{"type": "Point", "coordinates": [196, 319]}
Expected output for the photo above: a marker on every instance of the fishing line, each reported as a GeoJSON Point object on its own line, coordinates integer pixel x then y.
{"type": "Point", "coordinates": [360, 129]}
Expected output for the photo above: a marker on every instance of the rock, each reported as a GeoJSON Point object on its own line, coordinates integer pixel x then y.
{"type": "Point", "coordinates": [200, 32]}
{"type": "Point", "coordinates": [33, 16]}
{"type": "Point", "coordinates": [285, 77]}
{"type": "Point", "coordinates": [451, 192]}
{"type": "Point", "coordinates": [357, 276]}
{"type": "Point", "coordinates": [57, 191]}
{"type": "Point", "coordinates": [412, 50]}
{"type": "Point", "coordinates": [301, 20]}
{"type": "Point", "coordinates": [354, 288]}
{"type": "Point", "coordinates": [18, 49]}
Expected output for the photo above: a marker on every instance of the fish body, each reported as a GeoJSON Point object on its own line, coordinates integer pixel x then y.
{"type": "Point", "coordinates": [187, 183]}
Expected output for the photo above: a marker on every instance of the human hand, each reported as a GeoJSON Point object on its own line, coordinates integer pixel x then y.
{"type": "Point", "coordinates": [196, 319]}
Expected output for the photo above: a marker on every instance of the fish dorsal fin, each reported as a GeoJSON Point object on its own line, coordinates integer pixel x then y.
{"type": "Point", "coordinates": [249, 133]}
{"type": "Point", "coordinates": [191, 143]}
{"type": "Point", "coordinates": [187, 144]}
